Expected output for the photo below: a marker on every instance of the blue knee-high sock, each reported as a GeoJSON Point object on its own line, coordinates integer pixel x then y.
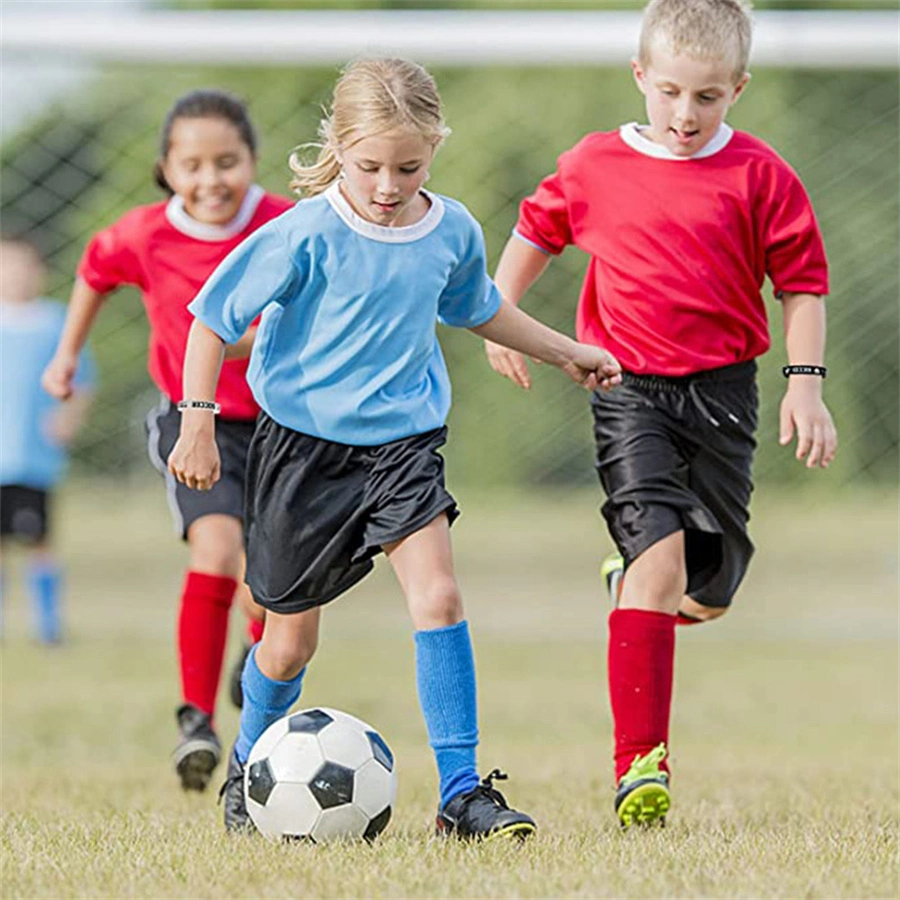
{"type": "Point", "coordinates": [445, 675]}
{"type": "Point", "coordinates": [265, 701]}
{"type": "Point", "coordinates": [44, 583]}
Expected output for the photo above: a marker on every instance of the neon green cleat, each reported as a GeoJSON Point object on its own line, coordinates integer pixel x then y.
{"type": "Point", "coordinates": [613, 569]}
{"type": "Point", "coordinates": [643, 793]}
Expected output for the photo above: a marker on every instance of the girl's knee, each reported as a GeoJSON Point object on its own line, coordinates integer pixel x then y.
{"type": "Point", "coordinates": [287, 645]}
{"type": "Point", "coordinates": [282, 662]}
{"type": "Point", "coordinates": [437, 604]}
{"type": "Point", "coordinates": [216, 546]}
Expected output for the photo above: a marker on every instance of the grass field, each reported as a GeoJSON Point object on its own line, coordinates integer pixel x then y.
{"type": "Point", "coordinates": [785, 732]}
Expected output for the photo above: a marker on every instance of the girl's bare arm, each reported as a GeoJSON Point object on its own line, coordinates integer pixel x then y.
{"type": "Point", "coordinates": [588, 365]}
{"type": "Point", "coordinates": [520, 266]}
{"type": "Point", "coordinates": [194, 460]}
{"type": "Point", "coordinates": [84, 304]}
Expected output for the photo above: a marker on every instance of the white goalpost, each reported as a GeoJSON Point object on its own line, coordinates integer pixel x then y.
{"type": "Point", "coordinates": [796, 39]}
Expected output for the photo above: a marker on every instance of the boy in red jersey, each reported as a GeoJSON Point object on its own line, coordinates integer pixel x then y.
{"type": "Point", "coordinates": [683, 219]}
{"type": "Point", "coordinates": [207, 166]}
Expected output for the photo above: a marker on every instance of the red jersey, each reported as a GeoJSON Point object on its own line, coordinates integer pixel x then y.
{"type": "Point", "coordinates": [679, 247]}
{"type": "Point", "coordinates": [169, 256]}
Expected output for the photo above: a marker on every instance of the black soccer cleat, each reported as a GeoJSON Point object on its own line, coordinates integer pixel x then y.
{"type": "Point", "coordinates": [198, 751]}
{"type": "Point", "coordinates": [231, 794]}
{"type": "Point", "coordinates": [235, 688]}
{"type": "Point", "coordinates": [483, 814]}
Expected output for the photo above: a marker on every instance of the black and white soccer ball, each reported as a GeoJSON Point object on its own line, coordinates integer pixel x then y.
{"type": "Point", "coordinates": [320, 774]}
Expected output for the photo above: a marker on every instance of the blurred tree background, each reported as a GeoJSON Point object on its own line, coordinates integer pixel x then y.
{"type": "Point", "coordinates": [79, 165]}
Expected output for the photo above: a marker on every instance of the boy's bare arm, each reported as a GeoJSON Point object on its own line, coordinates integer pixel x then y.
{"type": "Point", "coordinates": [802, 407]}
{"type": "Point", "coordinates": [590, 366]}
{"type": "Point", "coordinates": [521, 264]}
{"type": "Point", "coordinates": [194, 460]}
{"type": "Point", "coordinates": [59, 376]}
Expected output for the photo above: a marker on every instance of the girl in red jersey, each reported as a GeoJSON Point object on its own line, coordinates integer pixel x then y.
{"type": "Point", "coordinates": [207, 165]}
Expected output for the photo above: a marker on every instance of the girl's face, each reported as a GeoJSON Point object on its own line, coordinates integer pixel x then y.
{"type": "Point", "coordinates": [687, 98]}
{"type": "Point", "coordinates": [383, 176]}
{"type": "Point", "coordinates": [210, 167]}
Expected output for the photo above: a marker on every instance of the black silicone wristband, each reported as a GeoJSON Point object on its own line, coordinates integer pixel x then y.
{"type": "Point", "coordinates": [787, 371]}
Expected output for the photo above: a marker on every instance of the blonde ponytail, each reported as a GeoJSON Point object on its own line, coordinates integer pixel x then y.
{"type": "Point", "coordinates": [317, 177]}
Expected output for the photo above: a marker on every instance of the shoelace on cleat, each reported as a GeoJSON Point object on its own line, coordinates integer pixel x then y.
{"type": "Point", "coordinates": [646, 766]}
{"type": "Point", "coordinates": [486, 788]}
{"type": "Point", "coordinates": [228, 782]}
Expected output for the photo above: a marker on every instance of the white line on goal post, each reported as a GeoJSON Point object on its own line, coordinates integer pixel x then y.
{"type": "Point", "coordinates": [796, 39]}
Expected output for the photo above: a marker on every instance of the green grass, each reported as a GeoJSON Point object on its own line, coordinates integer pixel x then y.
{"type": "Point", "coordinates": [785, 742]}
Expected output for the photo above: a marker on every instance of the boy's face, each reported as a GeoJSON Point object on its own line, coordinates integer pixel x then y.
{"type": "Point", "coordinates": [687, 98]}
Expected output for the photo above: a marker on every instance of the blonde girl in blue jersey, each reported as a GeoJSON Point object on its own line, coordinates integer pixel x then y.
{"type": "Point", "coordinates": [345, 461]}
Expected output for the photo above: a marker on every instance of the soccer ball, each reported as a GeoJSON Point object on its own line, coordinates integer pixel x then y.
{"type": "Point", "coordinates": [320, 774]}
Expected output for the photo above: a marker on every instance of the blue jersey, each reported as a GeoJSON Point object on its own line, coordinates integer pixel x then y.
{"type": "Point", "coordinates": [347, 348]}
{"type": "Point", "coordinates": [29, 333]}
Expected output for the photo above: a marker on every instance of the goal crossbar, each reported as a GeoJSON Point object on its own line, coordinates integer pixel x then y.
{"type": "Point", "coordinates": [796, 39]}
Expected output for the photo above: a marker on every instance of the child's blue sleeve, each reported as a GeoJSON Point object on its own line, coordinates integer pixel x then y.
{"type": "Point", "coordinates": [470, 298]}
{"type": "Point", "coordinates": [259, 271]}
{"type": "Point", "coordinates": [86, 374]}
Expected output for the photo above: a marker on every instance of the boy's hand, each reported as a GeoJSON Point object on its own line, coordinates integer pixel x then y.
{"type": "Point", "coordinates": [592, 367]}
{"type": "Point", "coordinates": [509, 364]}
{"type": "Point", "coordinates": [194, 460]}
{"type": "Point", "coordinates": [803, 408]}
{"type": "Point", "coordinates": [59, 376]}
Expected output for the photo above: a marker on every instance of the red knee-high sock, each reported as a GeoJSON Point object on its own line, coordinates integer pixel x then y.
{"type": "Point", "coordinates": [640, 666]}
{"type": "Point", "coordinates": [255, 630]}
{"type": "Point", "coordinates": [202, 629]}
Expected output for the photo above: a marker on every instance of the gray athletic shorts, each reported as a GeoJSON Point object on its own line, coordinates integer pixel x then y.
{"type": "Point", "coordinates": [227, 494]}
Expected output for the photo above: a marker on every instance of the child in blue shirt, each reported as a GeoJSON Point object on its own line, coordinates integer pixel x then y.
{"type": "Point", "coordinates": [354, 390]}
{"type": "Point", "coordinates": [34, 428]}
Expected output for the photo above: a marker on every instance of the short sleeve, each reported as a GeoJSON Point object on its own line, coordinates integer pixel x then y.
{"type": "Point", "coordinates": [795, 253]}
{"type": "Point", "coordinates": [470, 298]}
{"type": "Point", "coordinates": [259, 271]}
{"type": "Point", "coordinates": [544, 217]}
{"type": "Point", "coordinates": [110, 260]}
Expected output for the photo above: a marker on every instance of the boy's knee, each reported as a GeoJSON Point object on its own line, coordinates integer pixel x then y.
{"type": "Point", "coordinates": [657, 579]}
{"type": "Point", "coordinates": [699, 612]}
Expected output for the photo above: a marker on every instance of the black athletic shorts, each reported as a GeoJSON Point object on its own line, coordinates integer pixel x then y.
{"type": "Point", "coordinates": [676, 453]}
{"type": "Point", "coordinates": [227, 495]}
{"type": "Point", "coordinates": [24, 513]}
{"type": "Point", "coordinates": [317, 511]}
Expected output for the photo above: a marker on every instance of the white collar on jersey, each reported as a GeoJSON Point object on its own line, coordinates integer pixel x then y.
{"type": "Point", "coordinates": [179, 218]}
{"type": "Point", "coordinates": [632, 134]}
{"type": "Point", "coordinates": [388, 235]}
